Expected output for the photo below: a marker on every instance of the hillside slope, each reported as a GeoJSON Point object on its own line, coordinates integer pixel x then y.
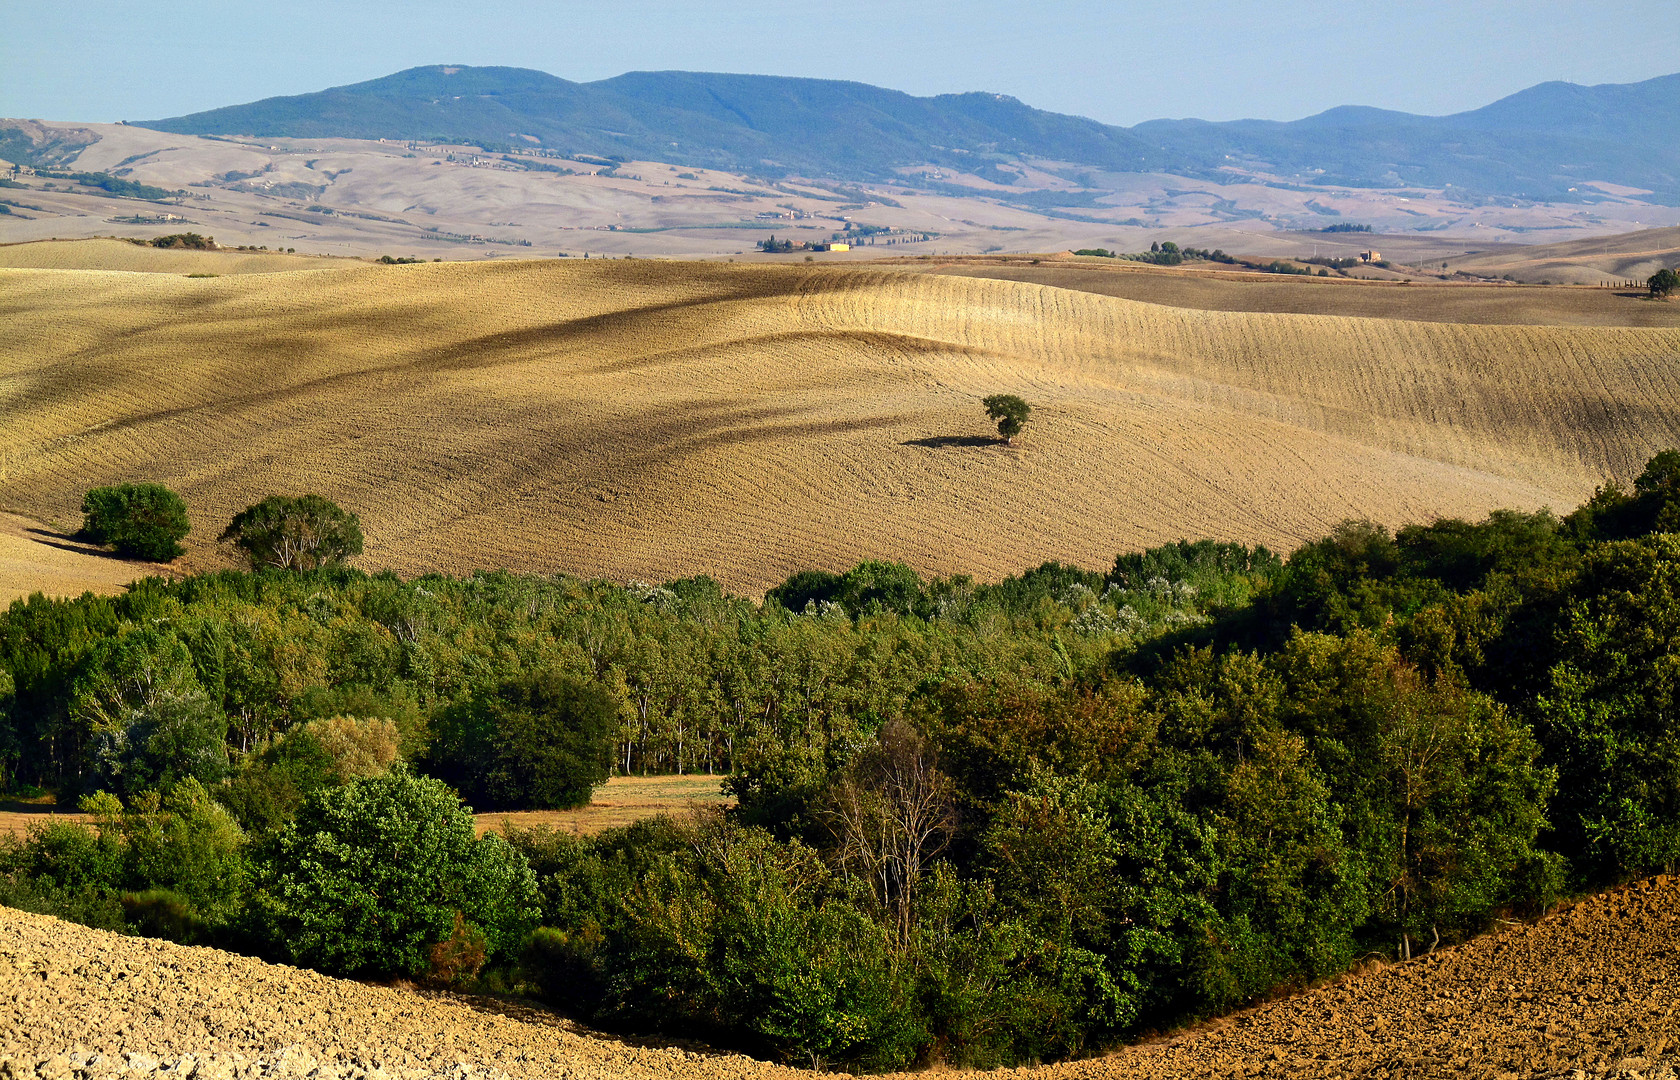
{"type": "Point", "coordinates": [1594, 988]}
{"type": "Point", "coordinates": [642, 420]}
{"type": "Point", "coordinates": [1516, 146]}
{"type": "Point", "coordinates": [109, 254]}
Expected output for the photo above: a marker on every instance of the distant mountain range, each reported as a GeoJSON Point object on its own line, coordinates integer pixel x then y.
{"type": "Point", "coordinates": [1541, 143]}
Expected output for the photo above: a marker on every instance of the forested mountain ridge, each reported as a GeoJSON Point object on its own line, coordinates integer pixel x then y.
{"type": "Point", "coordinates": [1543, 142]}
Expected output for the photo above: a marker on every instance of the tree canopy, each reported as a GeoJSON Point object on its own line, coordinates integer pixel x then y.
{"type": "Point", "coordinates": [301, 533]}
{"type": "Point", "coordinates": [1011, 414]}
{"type": "Point", "coordinates": [142, 521]}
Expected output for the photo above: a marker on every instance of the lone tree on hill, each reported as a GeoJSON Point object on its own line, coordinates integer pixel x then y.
{"type": "Point", "coordinates": [1010, 412]}
{"type": "Point", "coordinates": [1662, 284]}
{"type": "Point", "coordinates": [300, 533]}
{"type": "Point", "coordinates": [142, 521]}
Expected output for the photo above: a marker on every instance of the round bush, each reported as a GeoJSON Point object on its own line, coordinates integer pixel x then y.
{"type": "Point", "coordinates": [142, 521]}
{"type": "Point", "coordinates": [372, 875]}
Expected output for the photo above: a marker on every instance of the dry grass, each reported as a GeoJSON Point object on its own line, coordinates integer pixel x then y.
{"type": "Point", "coordinates": [622, 800]}
{"type": "Point", "coordinates": [642, 420]}
{"type": "Point", "coordinates": [1218, 290]}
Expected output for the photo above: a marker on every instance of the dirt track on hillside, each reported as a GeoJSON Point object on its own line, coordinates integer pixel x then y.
{"type": "Point", "coordinates": [1594, 988]}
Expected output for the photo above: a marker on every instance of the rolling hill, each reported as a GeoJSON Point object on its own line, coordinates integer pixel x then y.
{"type": "Point", "coordinates": [641, 420]}
{"type": "Point", "coordinates": [1549, 141]}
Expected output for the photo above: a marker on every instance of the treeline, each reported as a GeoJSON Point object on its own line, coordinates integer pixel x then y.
{"type": "Point", "coordinates": [114, 185]}
{"type": "Point", "coordinates": [977, 823]}
{"type": "Point", "coordinates": [1163, 253]}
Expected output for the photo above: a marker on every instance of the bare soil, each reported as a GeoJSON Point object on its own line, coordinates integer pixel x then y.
{"type": "Point", "coordinates": [1591, 990]}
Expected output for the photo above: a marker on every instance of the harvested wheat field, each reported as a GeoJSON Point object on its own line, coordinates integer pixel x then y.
{"type": "Point", "coordinates": [622, 800]}
{"type": "Point", "coordinates": [1225, 290]}
{"type": "Point", "coordinates": [35, 558]}
{"type": "Point", "coordinates": [646, 420]}
{"type": "Point", "coordinates": [1593, 988]}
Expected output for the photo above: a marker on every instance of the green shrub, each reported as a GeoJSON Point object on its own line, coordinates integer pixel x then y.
{"type": "Point", "coordinates": [161, 913]}
{"type": "Point", "coordinates": [371, 876]}
{"type": "Point", "coordinates": [540, 741]}
{"type": "Point", "coordinates": [142, 521]}
{"type": "Point", "coordinates": [302, 533]}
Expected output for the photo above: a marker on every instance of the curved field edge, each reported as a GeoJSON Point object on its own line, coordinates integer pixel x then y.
{"type": "Point", "coordinates": [640, 420]}
{"type": "Point", "coordinates": [1592, 987]}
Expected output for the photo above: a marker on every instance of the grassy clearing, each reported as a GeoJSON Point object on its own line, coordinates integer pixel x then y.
{"type": "Point", "coordinates": [643, 420]}
{"type": "Point", "coordinates": [622, 800]}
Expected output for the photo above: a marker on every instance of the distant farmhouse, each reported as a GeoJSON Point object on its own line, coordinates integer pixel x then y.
{"type": "Point", "coordinates": [1370, 256]}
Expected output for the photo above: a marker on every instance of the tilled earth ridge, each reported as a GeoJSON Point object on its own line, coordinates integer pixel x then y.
{"type": "Point", "coordinates": [1591, 991]}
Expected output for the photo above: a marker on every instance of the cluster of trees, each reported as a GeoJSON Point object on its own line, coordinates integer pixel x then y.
{"type": "Point", "coordinates": [1345, 227]}
{"type": "Point", "coordinates": [1662, 284]}
{"type": "Point", "coordinates": [1163, 253]}
{"type": "Point", "coordinates": [975, 823]}
{"type": "Point", "coordinates": [115, 185]}
{"type": "Point", "coordinates": [149, 521]}
{"type": "Point", "coordinates": [190, 240]}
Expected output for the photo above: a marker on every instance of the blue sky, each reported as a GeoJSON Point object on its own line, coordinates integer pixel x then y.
{"type": "Point", "coordinates": [1120, 62]}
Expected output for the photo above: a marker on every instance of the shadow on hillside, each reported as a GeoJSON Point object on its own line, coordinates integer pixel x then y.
{"type": "Point", "coordinates": [68, 542]}
{"type": "Point", "coordinates": [941, 442]}
{"type": "Point", "coordinates": [527, 1011]}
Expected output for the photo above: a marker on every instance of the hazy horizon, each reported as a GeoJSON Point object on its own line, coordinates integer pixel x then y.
{"type": "Point", "coordinates": [1118, 63]}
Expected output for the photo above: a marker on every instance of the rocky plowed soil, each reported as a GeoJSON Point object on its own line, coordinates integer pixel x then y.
{"type": "Point", "coordinates": [1591, 991]}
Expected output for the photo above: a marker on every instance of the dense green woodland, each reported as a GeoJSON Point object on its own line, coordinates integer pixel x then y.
{"type": "Point", "coordinates": [977, 823]}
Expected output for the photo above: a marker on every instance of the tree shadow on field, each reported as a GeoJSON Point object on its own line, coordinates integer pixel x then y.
{"type": "Point", "coordinates": [69, 542]}
{"type": "Point", "coordinates": [943, 442]}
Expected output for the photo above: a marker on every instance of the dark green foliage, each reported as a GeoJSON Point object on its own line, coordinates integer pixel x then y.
{"type": "Point", "coordinates": [115, 186]}
{"type": "Point", "coordinates": [371, 875]}
{"type": "Point", "coordinates": [142, 521]}
{"type": "Point", "coordinates": [1609, 710]}
{"type": "Point", "coordinates": [774, 246]}
{"type": "Point", "coordinates": [1663, 283]}
{"type": "Point", "coordinates": [1652, 506]}
{"type": "Point", "coordinates": [543, 741]}
{"type": "Point", "coordinates": [1142, 797]}
{"type": "Point", "coordinates": [191, 241]}
{"type": "Point", "coordinates": [1010, 412]}
{"type": "Point", "coordinates": [302, 533]}
{"type": "Point", "coordinates": [805, 588]}
{"type": "Point", "coordinates": [137, 708]}
{"type": "Point", "coordinates": [1345, 227]}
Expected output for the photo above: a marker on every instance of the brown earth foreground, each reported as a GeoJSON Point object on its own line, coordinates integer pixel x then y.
{"type": "Point", "coordinates": [1589, 991]}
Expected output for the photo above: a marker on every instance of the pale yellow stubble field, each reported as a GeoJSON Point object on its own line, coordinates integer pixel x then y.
{"type": "Point", "coordinates": [644, 420]}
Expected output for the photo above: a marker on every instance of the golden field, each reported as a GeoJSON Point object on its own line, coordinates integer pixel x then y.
{"type": "Point", "coordinates": [1198, 286]}
{"type": "Point", "coordinates": [647, 420]}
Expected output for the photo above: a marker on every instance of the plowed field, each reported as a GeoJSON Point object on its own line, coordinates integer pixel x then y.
{"type": "Point", "coordinates": [642, 420]}
{"type": "Point", "coordinates": [1593, 988]}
